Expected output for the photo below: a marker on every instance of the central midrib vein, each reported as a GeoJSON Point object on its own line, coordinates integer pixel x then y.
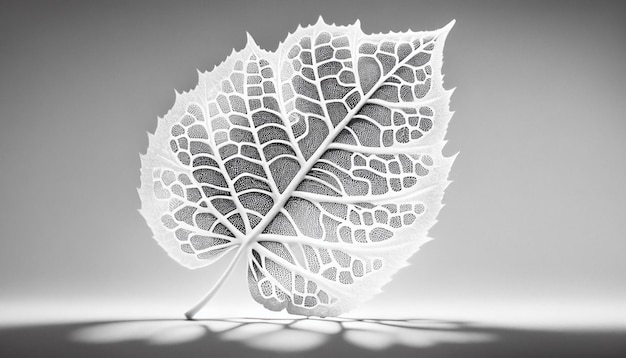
{"type": "Point", "coordinates": [287, 194]}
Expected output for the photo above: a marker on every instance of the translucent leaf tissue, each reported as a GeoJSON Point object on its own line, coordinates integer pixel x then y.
{"type": "Point", "coordinates": [320, 163]}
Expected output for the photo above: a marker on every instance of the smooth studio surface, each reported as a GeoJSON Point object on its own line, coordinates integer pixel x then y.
{"type": "Point", "coordinates": [531, 234]}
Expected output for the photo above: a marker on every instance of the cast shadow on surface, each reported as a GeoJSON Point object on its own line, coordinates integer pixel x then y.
{"type": "Point", "coordinates": [302, 337]}
{"type": "Point", "coordinates": [287, 335]}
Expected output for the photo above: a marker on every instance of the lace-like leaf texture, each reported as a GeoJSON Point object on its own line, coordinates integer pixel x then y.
{"type": "Point", "coordinates": [321, 163]}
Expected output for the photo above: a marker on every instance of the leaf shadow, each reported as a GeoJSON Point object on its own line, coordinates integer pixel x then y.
{"type": "Point", "coordinates": [288, 335]}
{"type": "Point", "coordinates": [302, 337]}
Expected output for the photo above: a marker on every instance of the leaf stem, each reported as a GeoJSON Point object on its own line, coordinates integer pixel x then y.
{"type": "Point", "coordinates": [198, 306]}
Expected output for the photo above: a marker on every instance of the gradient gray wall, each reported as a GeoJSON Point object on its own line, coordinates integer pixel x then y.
{"type": "Point", "coordinates": [536, 211]}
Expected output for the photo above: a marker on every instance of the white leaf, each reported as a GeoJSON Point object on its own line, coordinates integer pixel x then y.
{"type": "Point", "coordinates": [321, 163]}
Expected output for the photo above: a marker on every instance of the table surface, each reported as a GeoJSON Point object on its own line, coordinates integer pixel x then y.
{"type": "Point", "coordinates": [96, 330]}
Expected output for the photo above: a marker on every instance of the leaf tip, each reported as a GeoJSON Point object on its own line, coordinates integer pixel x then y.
{"type": "Point", "coordinates": [446, 29]}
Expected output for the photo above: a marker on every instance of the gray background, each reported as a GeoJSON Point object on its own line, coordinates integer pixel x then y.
{"type": "Point", "coordinates": [535, 216]}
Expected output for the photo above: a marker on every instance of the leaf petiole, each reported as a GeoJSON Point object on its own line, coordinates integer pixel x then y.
{"type": "Point", "coordinates": [198, 306]}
